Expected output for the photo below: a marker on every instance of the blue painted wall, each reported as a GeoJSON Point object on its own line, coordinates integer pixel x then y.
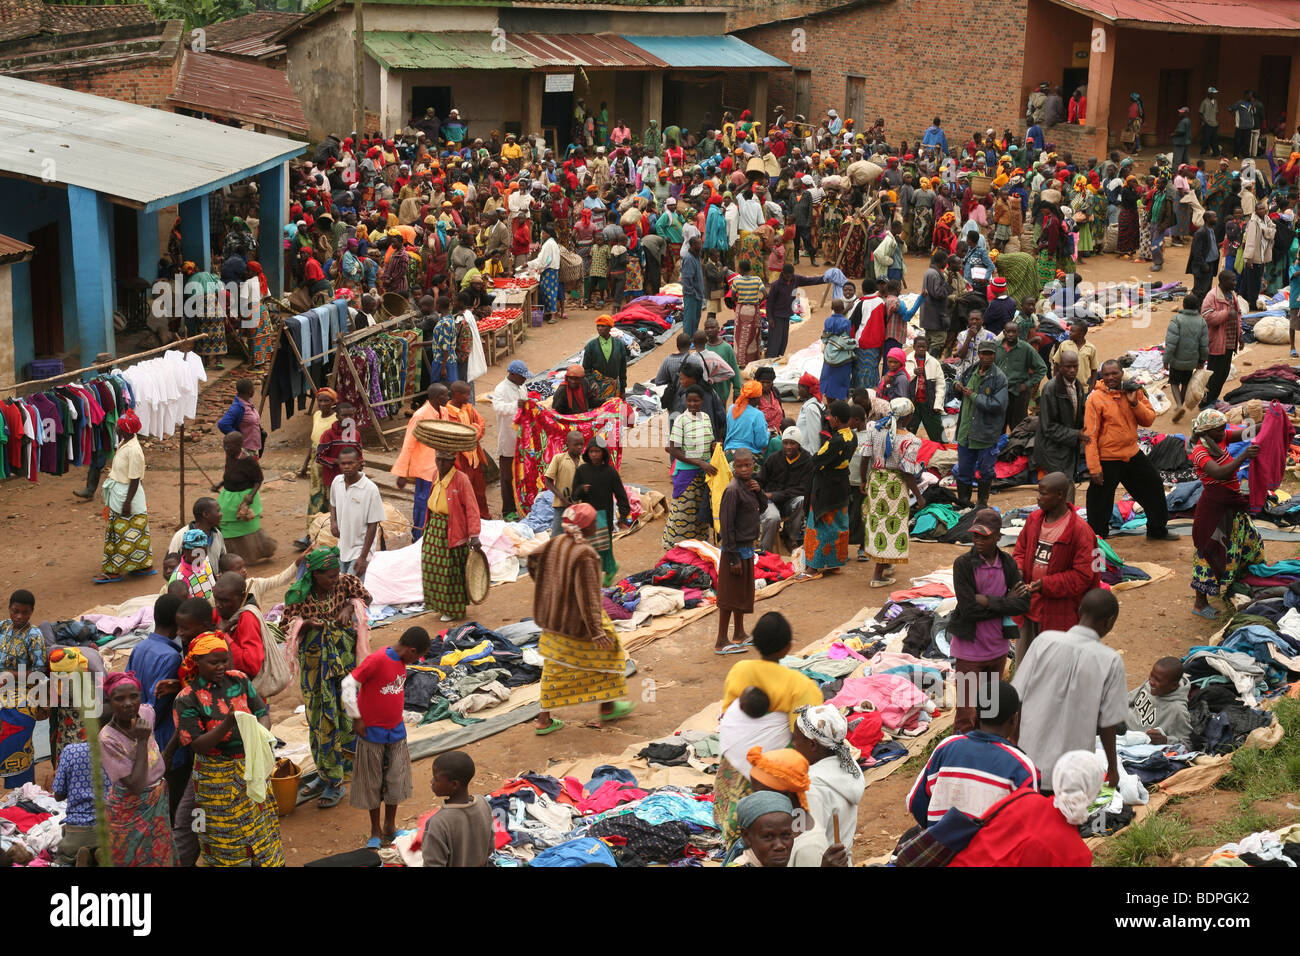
{"type": "Point", "coordinates": [25, 207]}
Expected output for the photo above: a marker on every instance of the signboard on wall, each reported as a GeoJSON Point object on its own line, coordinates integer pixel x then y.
{"type": "Point", "coordinates": [559, 82]}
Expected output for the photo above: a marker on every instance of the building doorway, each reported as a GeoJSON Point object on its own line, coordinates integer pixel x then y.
{"type": "Point", "coordinates": [855, 100]}
{"type": "Point", "coordinates": [47, 291]}
{"type": "Point", "coordinates": [422, 97]}
{"type": "Point", "coordinates": [1073, 79]}
{"type": "Point", "coordinates": [1274, 82]}
{"type": "Point", "coordinates": [803, 94]}
{"type": "Point", "coordinates": [1175, 86]}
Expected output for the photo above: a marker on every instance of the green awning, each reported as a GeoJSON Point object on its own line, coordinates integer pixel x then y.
{"type": "Point", "coordinates": [396, 50]}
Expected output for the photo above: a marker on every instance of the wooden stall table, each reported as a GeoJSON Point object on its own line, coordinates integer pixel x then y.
{"type": "Point", "coordinates": [517, 293]}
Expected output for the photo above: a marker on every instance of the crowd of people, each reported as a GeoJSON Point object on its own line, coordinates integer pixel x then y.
{"type": "Point", "coordinates": [721, 215]}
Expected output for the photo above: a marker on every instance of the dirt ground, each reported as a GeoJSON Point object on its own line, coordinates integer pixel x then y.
{"type": "Point", "coordinates": [62, 555]}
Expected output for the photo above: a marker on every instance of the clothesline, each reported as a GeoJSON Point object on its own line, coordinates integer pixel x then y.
{"type": "Point", "coordinates": [41, 384]}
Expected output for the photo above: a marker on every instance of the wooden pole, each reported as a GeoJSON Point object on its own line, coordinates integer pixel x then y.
{"type": "Point", "coordinates": [181, 431]}
{"type": "Point", "coordinates": [360, 66]}
{"type": "Point", "coordinates": [44, 383]}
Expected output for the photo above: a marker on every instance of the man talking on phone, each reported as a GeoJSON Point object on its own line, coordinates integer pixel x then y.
{"type": "Point", "coordinates": [1111, 418]}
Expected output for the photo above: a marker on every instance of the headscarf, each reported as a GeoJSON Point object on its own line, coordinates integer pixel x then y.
{"type": "Point", "coordinates": [577, 518]}
{"type": "Point", "coordinates": [194, 538]}
{"type": "Point", "coordinates": [605, 320]}
{"type": "Point", "coordinates": [128, 423]}
{"type": "Point", "coordinates": [518, 367]}
{"type": "Point", "coordinates": [748, 393]}
{"type": "Point", "coordinates": [813, 383]}
{"type": "Point", "coordinates": [320, 559]}
{"type": "Point", "coordinates": [206, 643]}
{"type": "Point", "coordinates": [784, 770]}
{"type": "Point", "coordinates": [256, 269]}
{"type": "Point", "coordinates": [120, 677]}
{"type": "Point", "coordinates": [899, 356]}
{"type": "Point", "coordinates": [573, 385]}
{"type": "Point", "coordinates": [1076, 781]}
{"type": "Point", "coordinates": [825, 725]}
{"type": "Point", "coordinates": [326, 392]}
{"type": "Point", "coordinates": [754, 805]}
{"type": "Point", "coordinates": [901, 407]}
{"type": "Point", "coordinates": [1208, 420]}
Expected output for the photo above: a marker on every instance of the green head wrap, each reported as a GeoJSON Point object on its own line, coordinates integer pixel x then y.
{"type": "Point", "coordinates": [321, 559]}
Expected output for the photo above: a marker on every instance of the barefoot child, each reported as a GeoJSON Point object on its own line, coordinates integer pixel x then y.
{"type": "Point", "coordinates": [372, 696]}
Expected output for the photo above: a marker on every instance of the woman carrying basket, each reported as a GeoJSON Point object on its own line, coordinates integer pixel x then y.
{"type": "Point", "coordinates": [452, 527]}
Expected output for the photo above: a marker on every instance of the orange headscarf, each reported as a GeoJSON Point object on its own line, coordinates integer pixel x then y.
{"type": "Point", "coordinates": [206, 643]}
{"type": "Point", "coordinates": [749, 392]}
{"type": "Point", "coordinates": [606, 320]}
{"type": "Point", "coordinates": [784, 770]}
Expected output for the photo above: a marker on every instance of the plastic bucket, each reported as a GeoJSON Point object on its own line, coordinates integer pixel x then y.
{"type": "Point", "coordinates": [285, 780]}
{"type": "Point", "coordinates": [538, 318]}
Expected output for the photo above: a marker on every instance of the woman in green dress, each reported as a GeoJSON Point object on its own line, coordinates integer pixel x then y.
{"type": "Point", "coordinates": [238, 493]}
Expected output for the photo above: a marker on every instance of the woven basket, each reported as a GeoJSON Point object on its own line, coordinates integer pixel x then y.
{"type": "Point", "coordinates": [447, 436]}
{"type": "Point", "coordinates": [980, 185]}
{"type": "Point", "coordinates": [570, 269]}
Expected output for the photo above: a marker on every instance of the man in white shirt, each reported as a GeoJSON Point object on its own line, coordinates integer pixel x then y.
{"type": "Point", "coordinates": [507, 398]}
{"type": "Point", "coordinates": [1073, 688]}
{"type": "Point", "coordinates": [749, 210]}
{"type": "Point", "coordinates": [356, 511]}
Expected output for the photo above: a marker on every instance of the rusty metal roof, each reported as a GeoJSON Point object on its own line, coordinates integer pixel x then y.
{"type": "Point", "coordinates": [11, 250]}
{"type": "Point", "coordinates": [1225, 16]}
{"type": "Point", "coordinates": [250, 35]}
{"type": "Point", "coordinates": [239, 89]}
{"type": "Point", "coordinates": [584, 49]}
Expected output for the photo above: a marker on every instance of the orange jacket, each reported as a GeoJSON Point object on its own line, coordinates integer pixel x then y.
{"type": "Point", "coordinates": [1112, 424]}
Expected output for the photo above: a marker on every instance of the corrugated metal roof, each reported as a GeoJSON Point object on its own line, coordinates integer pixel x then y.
{"type": "Point", "coordinates": [718, 52]}
{"type": "Point", "coordinates": [584, 49]}
{"type": "Point", "coordinates": [119, 149]}
{"type": "Point", "coordinates": [12, 250]}
{"type": "Point", "coordinates": [240, 89]}
{"type": "Point", "coordinates": [250, 35]}
{"type": "Point", "coordinates": [1224, 15]}
{"type": "Point", "coordinates": [444, 51]}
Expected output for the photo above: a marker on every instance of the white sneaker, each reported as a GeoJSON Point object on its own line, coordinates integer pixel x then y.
{"type": "Point", "coordinates": [446, 617]}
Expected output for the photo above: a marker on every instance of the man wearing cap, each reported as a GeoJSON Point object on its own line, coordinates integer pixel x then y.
{"type": "Point", "coordinates": [1182, 137]}
{"type": "Point", "coordinates": [507, 398]}
{"type": "Point", "coordinates": [990, 593]}
{"type": "Point", "coordinates": [787, 482]}
{"type": "Point", "coordinates": [1024, 369]}
{"type": "Point", "coordinates": [1209, 110]}
{"type": "Point", "coordinates": [983, 391]}
{"type": "Point", "coordinates": [1111, 418]}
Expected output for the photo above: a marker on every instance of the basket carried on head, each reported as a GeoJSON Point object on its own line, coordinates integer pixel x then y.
{"type": "Point", "coordinates": [980, 185]}
{"type": "Point", "coordinates": [447, 436]}
{"type": "Point", "coordinates": [395, 304]}
{"type": "Point", "coordinates": [570, 269]}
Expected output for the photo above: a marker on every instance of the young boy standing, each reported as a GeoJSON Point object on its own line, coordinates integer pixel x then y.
{"type": "Point", "coordinates": [356, 511]}
{"type": "Point", "coordinates": [372, 696]}
{"type": "Point", "coordinates": [460, 833]}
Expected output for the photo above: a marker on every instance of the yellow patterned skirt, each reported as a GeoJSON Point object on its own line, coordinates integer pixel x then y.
{"type": "Point", "coordinates": [236, 831]}
{"type": "Point", "coordinates": [579, 672]}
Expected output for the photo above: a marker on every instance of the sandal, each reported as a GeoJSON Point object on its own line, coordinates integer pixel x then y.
{"type": "Point", "coordinates": [312, 789]}
{"type": "Point", "coordinates": [106, 579]}
{"type": "Point", "coordinates": [621, 709]}
{"type": "Point", "coordinates": [1207, 612]}
{"type": "Point", "coordinates": [882, 582]}
{"type": "Point", "coordinates": [552, 727]}
{"type": "Point", "coordinates": [731, 649]}
{"type": "Point", "coordinates": [805, 576]}
{"type": "Point", "coordinates": [331, 797]}
{"type": "Point", "coordinates": [374, 843]}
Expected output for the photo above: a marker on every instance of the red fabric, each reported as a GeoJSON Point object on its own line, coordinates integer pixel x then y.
{"type": "Point", "coordinates": [379, 697]}
{"type": "Point", "coordinates": [928, 447]}
{"type": "Point", "coordinates": [609, 795]}
{"type": "Point", "coordinates": [311, 271]}
{"type": "Point", "coordinates": [1005, 469]}
{"type": "Point", "coordinates": [867, 733]}
{"type": "Point", "coordinates": [246, 650]}
{"type": "Point", "coordinates": [683, 556]}
{"type": "Point", "coordinates": [870, 333]}
{"type": "Point", "coordinates": [1274, 440]}
{"type": "Point", "coordinates": [22, 818]}
{"type": "Point", "coordinates": [929, 589]}
{"type": "Point", "coordinates": [1030, 831]}
{"type": "Point", "coordinates": [769, 567]}
{"type": "Point", "coordinates": [1070, 573]}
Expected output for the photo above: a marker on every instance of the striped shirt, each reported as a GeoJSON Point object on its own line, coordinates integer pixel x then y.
{"type": "Point", "coordinates": [748, 290]}
{"type": "Point", "coordinates": [693, 433]}
{"type": "Point", "coordinates": [971, 772]}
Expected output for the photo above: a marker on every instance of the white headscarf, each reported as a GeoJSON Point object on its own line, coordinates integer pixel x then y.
{"type": "Point", "coordinates": [1076, 781]}
{"type": "Point", "coordinates": [825, 725]}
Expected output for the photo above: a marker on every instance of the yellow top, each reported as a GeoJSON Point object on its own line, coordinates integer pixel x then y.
{"type": "Point", "coordinates": [786, 689]}
{"type": "Point", "coordinates": [438, 496]}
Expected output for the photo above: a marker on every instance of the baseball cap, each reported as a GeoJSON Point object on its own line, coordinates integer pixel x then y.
{"type": "Point", "coordinates": [1212, 90]}
{"type": "Point", "coordinates": [987, 521]}
{"type": "Point", "coordinates": [986, 346]}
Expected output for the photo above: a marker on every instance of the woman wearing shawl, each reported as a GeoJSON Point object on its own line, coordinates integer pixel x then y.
{"type": "Point", "coordinates": [598, 483]}
{"type": "Point", "coordinates": [945, 236]}
{"type": "Point", "coordinates": [690, 445]}
{"type": "Point", "coordinates": [605, 361]}
{"type": "Point", "coordinates": [139, 821]}
{"type": "Point", "coordinates": [922, 226]}
{"type": "Point", "coordinates": [325, 613]}
{"type": "Point", "coordinates": [1127, 242]}
{"type": "Point", "coordinates": [747, 425]}
{"type": "Point", "coordinates": [1081, 206]}
{"type": "Point", "coordinates": [835, 782]}
{"type": "Point", "coordinates": [891, 454]}
{"type": "Point", "coordinates": [1132, 135]}
{"type": "Point", "coordinates": [1227, 542]}
{"type": "Point", "coordinates": [257, 291]}
{"type": "Point", "coordinates": [239, 493]}
{"type": "Point", "coordinates": [237, 831]}
{"type": "Point", "coordinates": [826, 540]}
{"type": "Point", "coordinates": [126, 534]}
{"type": "Point", "coordinates": [583, 661]}
{"type": "Point", "coordinates": [715, 227]}
{"type": "Point", "coordinates": [1052, 242]}
{"type": "Point", "coordinates": [1145, 198]}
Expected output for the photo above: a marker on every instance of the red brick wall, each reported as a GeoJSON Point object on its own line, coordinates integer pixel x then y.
{"type": "Point", "coordinates": [145, 84]}
{"type": "Point", "coordinates": [959, 59]}
{"type": "Point", "coordinates": [745, 13]}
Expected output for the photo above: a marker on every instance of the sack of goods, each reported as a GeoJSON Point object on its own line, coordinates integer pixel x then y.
{"type": "Point", "coordinates": [447, 436]}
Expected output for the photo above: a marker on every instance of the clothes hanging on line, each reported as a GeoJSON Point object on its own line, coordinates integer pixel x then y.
{"type": "Point", "coordinates": [61, 427]}
{"type": "Point", "coordinates": [166, 391]}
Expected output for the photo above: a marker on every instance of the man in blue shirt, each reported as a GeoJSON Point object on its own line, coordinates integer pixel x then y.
{"type": "Point", "coordinates": [692, 286]}
{"type": "Point", "coordinates": [155, 659]}
{"type": "Point", "coordinates": [1034, 139]}
{"type": "Point", "coordinates": [934, 136]}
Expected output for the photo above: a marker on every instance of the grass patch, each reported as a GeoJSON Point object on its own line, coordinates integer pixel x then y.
{"type": "Point", "coordinates": [1264, 774]}
{"type": "Point", "coordinates": [1247, 820]}
{"type": "Point", "coordinates": [1156, 838]}
{"type": "Point", "coordinates": [917, 762]}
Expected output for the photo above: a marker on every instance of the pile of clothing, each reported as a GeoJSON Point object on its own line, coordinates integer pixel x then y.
{"type": "Point", "coordinates": [470, 668]}
{"type": "Point", "coordinates": [31, 819]}
{"type": "Point", "coordinates": [1280, 848]}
